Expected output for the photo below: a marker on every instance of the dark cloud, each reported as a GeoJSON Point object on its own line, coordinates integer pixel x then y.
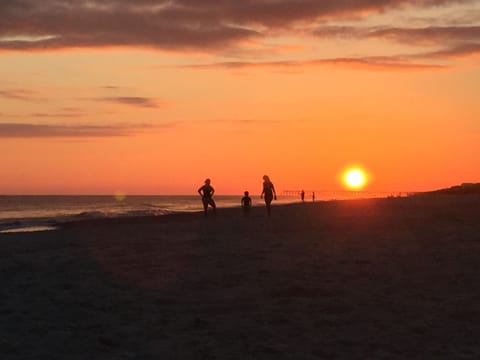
{"type": "Point", "coordinates": [131, 100]}
{"type": "Point", "coordinates": [166, 24]}
{"type": "Point", "coordinates": [10, 130]}
{"type": "Point", "coordinates": [348, 32]}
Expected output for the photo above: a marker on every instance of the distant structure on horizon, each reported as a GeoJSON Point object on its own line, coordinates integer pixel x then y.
{"type": "Point", "coordinates": [346, 194]}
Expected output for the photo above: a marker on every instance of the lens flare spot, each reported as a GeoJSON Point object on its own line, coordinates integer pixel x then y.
{"type": "Point", "coordinates": [120, 196]}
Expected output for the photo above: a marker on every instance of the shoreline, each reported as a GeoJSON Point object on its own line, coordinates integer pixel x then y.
{"type": "Point", "coordinates": [349, 279]}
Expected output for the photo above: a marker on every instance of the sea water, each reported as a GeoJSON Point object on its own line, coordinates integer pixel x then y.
{"type": "Point", "coordinates": [39, 213]}
{"type": "Point", "coordinates": [47, 212]}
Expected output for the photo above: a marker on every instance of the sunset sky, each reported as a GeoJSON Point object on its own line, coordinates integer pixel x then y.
{"type": "Point", "coordinates": [152, 97]}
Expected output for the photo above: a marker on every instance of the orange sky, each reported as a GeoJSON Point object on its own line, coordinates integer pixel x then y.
{"type": "Point", "coordinates": [106, 97]}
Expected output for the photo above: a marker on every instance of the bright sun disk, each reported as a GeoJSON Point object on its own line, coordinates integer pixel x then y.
{"type": "Point", "coordinates": [355, 178]}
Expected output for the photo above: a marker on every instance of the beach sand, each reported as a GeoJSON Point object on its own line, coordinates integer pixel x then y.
{"type": "Point", "coordinates": [391, 278]}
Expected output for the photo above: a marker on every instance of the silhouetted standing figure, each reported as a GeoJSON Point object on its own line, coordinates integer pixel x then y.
{"type": "Point", "coordinates": [268, 193]}
{"type": "Point", "coordinates": [313, 196]}
{"type": "Point", "coordinates": [246, 203]}
{"type": "Point", "coordinates": [302, 195]}
{"type": "Point", "coordinates": [206, 192]}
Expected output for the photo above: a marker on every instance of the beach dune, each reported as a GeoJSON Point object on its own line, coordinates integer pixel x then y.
{"type": "Point", "coordinates": [390, 278]}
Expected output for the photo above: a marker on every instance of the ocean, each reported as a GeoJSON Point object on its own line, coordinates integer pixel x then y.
{"type": "Point", "coordinates": [46, 212]}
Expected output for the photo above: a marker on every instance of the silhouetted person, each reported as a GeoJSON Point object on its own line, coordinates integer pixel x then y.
{"type": "Point", "coordinates": [268, 192]}
{"type": "Point", "coordinates": [206, 192]}
{"type": "Point", "coordinates": [302, 195]}
{"type": "Point", "coordinates": [246, 203]}
{"type": "Point", "coordinates": [313, 196]}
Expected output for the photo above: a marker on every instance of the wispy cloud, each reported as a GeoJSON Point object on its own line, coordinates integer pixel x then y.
{"type": "Point", "coordinates": [374, 63]}
{"type": "Point", "coordinates": [19, 94]}
{"type": "Point", "coordinates": [132, 101]}
{"type": "Point", "coordinates": [429, 35]}
{"type": "Point", "coordinates": [57, 115]}
{"type": "Point", "coordinates": [451, 40]}
{"type": "Point", "coordinates": [168, 24]}
{"type": "Point", "coordinates": [456, 51]}
{"type": "Point", "coordinates": [10, 130]}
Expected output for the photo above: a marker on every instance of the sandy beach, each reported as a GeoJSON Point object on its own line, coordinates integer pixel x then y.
{"type": "Point", "coordinates": [393, 278]}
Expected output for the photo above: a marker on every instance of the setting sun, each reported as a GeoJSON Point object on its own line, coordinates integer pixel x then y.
{"type": "Point", "coordinates": [354, 178]}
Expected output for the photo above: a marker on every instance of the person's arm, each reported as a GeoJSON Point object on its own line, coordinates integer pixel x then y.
{"type": "Point", "coordinates": [200, 190]}
{"type": "Point", "coordinates": [274, 193]}
{"type": "Point", "coordinates": [213, 190]}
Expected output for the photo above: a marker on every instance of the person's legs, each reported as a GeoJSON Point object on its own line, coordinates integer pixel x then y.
{"type": "Point", "coordinates": [205, 205]}
{"type": "Point", "coordinates": [210, 202]}
{"type": "Point", "coordinates": [268, 201]}
{"type": "Point", "coordinates": [214, 206]}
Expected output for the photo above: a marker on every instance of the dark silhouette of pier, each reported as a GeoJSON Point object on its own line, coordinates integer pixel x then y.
{"type": "Point", "coordinates": [346, 194]}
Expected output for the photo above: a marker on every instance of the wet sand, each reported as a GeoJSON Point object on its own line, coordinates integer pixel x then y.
{"type": "Point", "coordinates": [363, 279]}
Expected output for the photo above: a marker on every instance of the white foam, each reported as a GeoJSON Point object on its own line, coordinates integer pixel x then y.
{"type": "Point", "coordinates": [28, 229]}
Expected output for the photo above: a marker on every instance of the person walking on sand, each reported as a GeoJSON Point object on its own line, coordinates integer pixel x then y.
{"type": "Point", "coordinates": [302, 195]}
{"type": "Point", "coordinates": [246, 203]}
{"type": "Point", "coordinates": [268, 193]}
{"type": "Point", "coordinates": [206, 192]}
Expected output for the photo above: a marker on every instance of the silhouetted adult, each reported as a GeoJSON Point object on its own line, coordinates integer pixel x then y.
{"type": "Point", "coordinates": [302, 195]}
{"type": "Point", "coordinates": [268, 192]}
{"type": "Point", "coordinates": [206, 192]}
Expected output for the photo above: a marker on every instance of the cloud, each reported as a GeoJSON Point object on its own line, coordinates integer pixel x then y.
{"type": "Point", "coordinates": [131, 100]}
{"type": "Point", "coordinates": [19, 94]}
{"type": "Point", "coordinates": [57, 115]}
{"type": "Point", "coordinates": [456, 51]}
{"type": "Point", "coordinates": [429, 35]}
{"type": "Point", "coordinates": [10, 130]}
{"type": "Point", "coordinates": [168, 24]}
{"type": "Point", "coordinates": [454, 40]}
{"type": "Point", "coordinates": [372, 63]}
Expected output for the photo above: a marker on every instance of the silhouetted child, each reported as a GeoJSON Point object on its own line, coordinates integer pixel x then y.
{"type": "Point", "coordinates": [246, 204]}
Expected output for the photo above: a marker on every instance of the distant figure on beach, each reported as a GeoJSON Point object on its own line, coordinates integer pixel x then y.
{"type": "Point", "coordinates": [313, 196]}
{"type": "Point", "coordinates": [302, 195]}
{"type": "Point", "coordinates": [206, 192]}
{"type": "Point", "coordinates": [246, 203]}
{"type": "Point", "coordinates": [268, 193]}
